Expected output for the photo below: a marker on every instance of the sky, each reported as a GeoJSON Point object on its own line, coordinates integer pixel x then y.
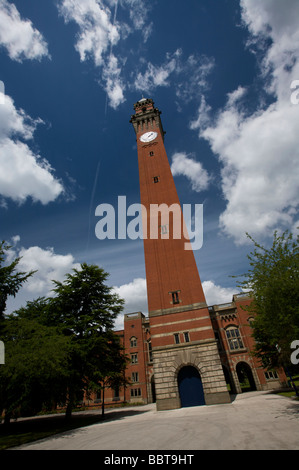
{"type": "Point", "coordinates": [224, 73]}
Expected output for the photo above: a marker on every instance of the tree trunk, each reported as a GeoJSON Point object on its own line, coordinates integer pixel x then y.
{"type": "Point", "coordinates": [70, 406]}
{"type": "Point", "coordinates": [68, 412]}
{"type": "Point", "coordinates": [103, 401]}
{"type": "Point", "coordinates": [7, 417]}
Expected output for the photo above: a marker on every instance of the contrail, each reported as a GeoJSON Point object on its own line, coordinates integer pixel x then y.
{"type": "Point", "coordinates": [92, 199]}
{"type": "Point", "coordinates": [115, 11]}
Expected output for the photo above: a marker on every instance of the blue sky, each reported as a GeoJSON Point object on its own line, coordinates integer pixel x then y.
{"type": "Point", "coordinates": [221, 71]}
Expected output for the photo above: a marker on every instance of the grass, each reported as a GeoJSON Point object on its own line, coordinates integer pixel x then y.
{"type": "Point", "coordinates": [291, 393]}
{"type": "Point", "coordinates": [24, 431]}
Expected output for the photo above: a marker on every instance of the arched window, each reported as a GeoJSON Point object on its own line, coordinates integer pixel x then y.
{"type": "Point", "coordinates": [234, 338]}
{"type": "Point", "coordinates": [133, 342]}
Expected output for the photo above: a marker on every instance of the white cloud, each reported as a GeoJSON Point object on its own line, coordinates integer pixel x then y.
{"type": "Point", "coordinates": [259, 152]}
{"type": "Point", "coordinates": [96, 29]}
{"type": "Point", "coordinates": [190, 75]}
{"type": "Point", "coordinates": [193, 77]}
{"type": "Point", "coordinates": [49, 265]}
{"type": "Point", "coordinates": [15, 122]}
{"type": "Point", "coordinates": [138, 12]}
{"type": "Point", "coordinates": [215, 294]}
{"type": "Point", "coordinates": [203, 116]}
{"type": "Point", "coordinates": [18, 36]}
{"type": "Point", "coordinates": [193, 170]}
{"type": "Point", "coordinates": [23, 173]}
{"type": "Point", "coordinates": [114, 85]}
{"type": "Point", "coordinates": [99, 32]}
{"type": "Point", "coordinates": [135, 295]}
{"type": "Point", "coordinates": [155, 76]}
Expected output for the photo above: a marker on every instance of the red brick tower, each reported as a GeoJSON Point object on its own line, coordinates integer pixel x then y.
{"type": "Point", "coordinates": [181, 330]}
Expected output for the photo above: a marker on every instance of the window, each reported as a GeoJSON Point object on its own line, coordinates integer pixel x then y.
{"type": "Point", "coordinates": [271, 374]}
{"type": "Point", "coordinates": [134, 358]}
{"type": "Point", "coordinates": [135, 377]}
{"type": "Point", "coordinates": [175, 297]}
{"type": "Point", "coordinates": [133, 342]}
{"type": "Point", "coordinates": [234, 338]}
{"type": "Point", "coordinates": [135, 392]}
{"type": "Point", "coordinates": [164, 229]}
{"type": "Point", "coordinates": [177, 338]}
{"type": "Point", "coordinates": [116, 393]}
{"type": "Point", "coordinates": [156, 179]}
{"type": "Point", "coordinates": [186, 337]}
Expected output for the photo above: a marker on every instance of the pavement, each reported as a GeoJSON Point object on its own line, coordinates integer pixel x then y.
{"type": "Point", "coordinates": [253, 421]}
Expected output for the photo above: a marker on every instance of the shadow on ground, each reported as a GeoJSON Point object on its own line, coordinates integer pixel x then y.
{"type": "Point", "coordinates": [30, 429]}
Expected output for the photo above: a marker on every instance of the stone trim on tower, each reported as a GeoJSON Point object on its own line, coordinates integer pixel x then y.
{"type": "Point", "coordinates": [146, 117]}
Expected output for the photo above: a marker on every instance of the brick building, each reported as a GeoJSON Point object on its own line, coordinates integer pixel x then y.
{"type": "Point", "coordinates": [185, 353]}
{"type": "Point", "coordinates": [233, 334]}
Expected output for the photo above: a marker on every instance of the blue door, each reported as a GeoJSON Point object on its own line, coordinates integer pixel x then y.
{"type": "Point", "coordinates": [190, 387]}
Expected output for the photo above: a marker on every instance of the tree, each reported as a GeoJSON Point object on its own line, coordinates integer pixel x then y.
{"type": "Point", "coordinates": [274, 282]}
{"type": "Point", "coordinates": [10, 281]}
{"type": "Point", "coordinates": [85, 308]}
{"type": "Point", "coordinates": [108, 370]}
{"type": "Point", "coordinates": [36, 367]}
{"type": "Point", "coordinates": [58, 348]}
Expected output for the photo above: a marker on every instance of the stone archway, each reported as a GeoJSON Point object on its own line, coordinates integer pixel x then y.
{"type": "Point", "coordinates": [245, 377]}
{"type": "Point", "coordinates": [153, 389]}
{"type": "Point", "coordinates": [190, 387]}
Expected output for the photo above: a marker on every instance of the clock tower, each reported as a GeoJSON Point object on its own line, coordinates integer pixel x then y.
{"type": "Point", "coordinates": [184, 348]}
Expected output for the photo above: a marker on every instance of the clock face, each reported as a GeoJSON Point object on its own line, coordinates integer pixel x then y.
{"type": "Point", "coordinates": [148, 136]}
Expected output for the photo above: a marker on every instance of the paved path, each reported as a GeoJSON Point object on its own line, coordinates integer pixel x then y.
{"type": "Point", "coordinates": [254, 420]}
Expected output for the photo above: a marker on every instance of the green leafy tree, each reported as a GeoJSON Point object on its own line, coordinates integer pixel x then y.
{"type": "Point", "coordinates": [109, 366]}
{"type": "Point", "coordinates": [58, 348]}
{"type": "Point", "coordinates": [86, 309]}
{"type": "Point", "coordinates": [36, 367]}
{"type": "Point", "coordinates": [10, 280]}
{"type": "Point", "coordinates": [273, 280]}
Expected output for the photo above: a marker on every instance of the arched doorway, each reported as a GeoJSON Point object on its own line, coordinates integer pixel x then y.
{"type": "Point", "coordinates": [153, 389]}
{"type": "Point", "coordinates": [190, 387]}
{"type": "Point", "coordinates": [245, 377]}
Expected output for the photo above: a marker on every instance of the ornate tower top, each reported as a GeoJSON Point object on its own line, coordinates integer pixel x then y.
{"type": "Point", "coordinates": [146, 116]}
